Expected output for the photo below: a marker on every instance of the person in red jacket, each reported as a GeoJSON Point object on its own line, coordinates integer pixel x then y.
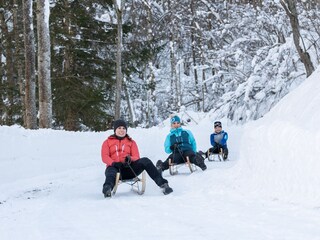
{"type": "Point", "coordinates": [119, 150]}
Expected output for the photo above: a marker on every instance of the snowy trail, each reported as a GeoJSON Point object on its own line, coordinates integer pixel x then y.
{"type": "Point", "coordinates": [71, 208]}
{"type": "Point", "coordinates": [63, 199]}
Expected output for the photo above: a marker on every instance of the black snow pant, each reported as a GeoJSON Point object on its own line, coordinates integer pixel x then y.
{"type": "Point", "coordinates": [216, 150]}
{"type": "Point", "coordinates": [135, 169]}
{"type": "Point", "coordinates": [179, 157]}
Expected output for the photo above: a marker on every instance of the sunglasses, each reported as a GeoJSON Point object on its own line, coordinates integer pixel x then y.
{"type": "Point", "coordinates": [216, 126]}
{"type": "Point", "coordinates": [175, 123]}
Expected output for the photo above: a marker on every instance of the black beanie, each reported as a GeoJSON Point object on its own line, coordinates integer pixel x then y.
{"type": "Point", "coordinates": [119, 123]}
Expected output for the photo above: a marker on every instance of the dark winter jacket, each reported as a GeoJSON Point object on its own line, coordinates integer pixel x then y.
{"type": "Point", "coordinates": [182, 137]}
{"type": "Point", "coordinates": [219, 138]}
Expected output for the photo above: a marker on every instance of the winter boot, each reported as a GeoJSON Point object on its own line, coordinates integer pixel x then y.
{"type": "Point", "coordinates": [200, 162]}
{"type": "Point", "coordinates": [203, 154]}
{"type": "Point", "coordinates": [107, 191]}
{"type": "Point", "coordinates": [166, 189]}
{"type": "Point", "coordinates": [225, 154]}
{"type": "Point", "coordinates": [159, 166]}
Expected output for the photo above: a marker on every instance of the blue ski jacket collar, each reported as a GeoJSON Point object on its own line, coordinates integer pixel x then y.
{"type": "Point", "coordinates": [176, 130]}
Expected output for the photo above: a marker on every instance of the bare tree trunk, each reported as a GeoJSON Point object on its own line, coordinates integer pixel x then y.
{"type": "Point", "coordinates": [291, 10]}
{"type": "Point", "coordinates": [2, 105]}
{"type": "Point", "coordinates": [203, 86]}
{"type": "Point", "coordinates": [19, 54]}
{"type": "Point", "coordinates": [193, 42]}
{"type": "Point", "coordinates": [118, 60]}
{"type": "Point", "coordinates": [44, 81]}
{"type": "Point", "coordinates": [128, 98]}
{"type": "Point", "coordinates": [175, 83]}
{"type": "Point", "coordinates": [174, 79]}
{"type": "Point", "coordinates": [30, 97]}
{"type": "Point", "coordinates": [70, 113]}
{"type": "Point", "coordinates": [178, 84]}
{"type": "Point", "coordinates": [151, 83]}
{"type": "Point", "coordinates": [71, 122]}
{"type": "Point", "coordinates": [10, 78]}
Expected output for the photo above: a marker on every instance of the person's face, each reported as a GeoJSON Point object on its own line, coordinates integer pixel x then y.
{"type": "Point", "coordinates": [218, 128]}
{"type": "Point", "coordinates": [175, 125]}
{"type": "Point", "coordinates": [121, 131]}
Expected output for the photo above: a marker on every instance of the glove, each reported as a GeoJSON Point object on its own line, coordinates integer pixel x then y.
{"type": "Point", "coordinates": [127, 160]}
{"type": "Point", "coordinates": [117, 165]}
{"type": "Point", "coordinates": [174, 146]}
{"type": "Point", "coordinates": [218, 146]}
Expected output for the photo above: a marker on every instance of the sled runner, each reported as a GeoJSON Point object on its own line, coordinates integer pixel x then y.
{"type": "Point", "coordinates": [173, 168]}
{"type": "Point", "coordinates": [138, 183]}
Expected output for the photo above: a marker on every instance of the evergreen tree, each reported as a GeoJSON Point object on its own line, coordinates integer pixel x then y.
{"type": "Point", "coordinates": [82, 66]}
{"type": "Point", "coordinates": [11, 48]}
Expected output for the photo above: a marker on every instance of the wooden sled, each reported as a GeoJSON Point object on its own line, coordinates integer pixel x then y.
{"type": "Point", "coordinates": [212, 157]}
{"type": "Point", "coordinates": [173, 168]}
{"type": "Point", "coordinates": [138, 184]}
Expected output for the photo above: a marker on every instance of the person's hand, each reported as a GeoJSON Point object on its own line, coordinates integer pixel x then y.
{"type": "Point", "coordinates": [219, 145]}
{"type": "Point", "coordinates": [117, 165]}
{"type": "Point", "coordinates": [174, 146]}
{"type": "Point", "coordinates": [127, 160]}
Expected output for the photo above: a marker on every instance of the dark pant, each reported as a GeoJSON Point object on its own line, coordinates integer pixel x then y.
{"type": "Point", "coordinates": [179, 157]}
{"type": "Point", "coordinates": [135, 169]}
{"type": "Point", "coordinates": [216, 149]}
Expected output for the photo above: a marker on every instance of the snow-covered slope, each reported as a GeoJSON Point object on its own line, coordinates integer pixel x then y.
{"type": "Point", "coordinates": [280, 152]}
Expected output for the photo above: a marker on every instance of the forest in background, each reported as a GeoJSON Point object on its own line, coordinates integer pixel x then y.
{"type": "Point", "coordinates": [233, 59]}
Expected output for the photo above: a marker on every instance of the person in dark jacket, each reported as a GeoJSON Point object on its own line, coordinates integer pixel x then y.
{"type": "Point", "coordinates": [180, 143]}
{"type": "Point", "coordinates": [218, 140]}
{"type": "Point", "coordinates": [119, 150]}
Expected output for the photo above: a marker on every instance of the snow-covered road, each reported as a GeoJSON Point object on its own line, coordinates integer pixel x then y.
{"type": "Point", "coordinates": [56, 194]}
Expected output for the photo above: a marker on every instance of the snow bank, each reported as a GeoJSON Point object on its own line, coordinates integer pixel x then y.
{"type": "Point", "coordinates": [279, 154]}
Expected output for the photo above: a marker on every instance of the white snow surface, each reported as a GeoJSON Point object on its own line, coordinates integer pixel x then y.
{"type": "Point", "coordinates": [51, 182]}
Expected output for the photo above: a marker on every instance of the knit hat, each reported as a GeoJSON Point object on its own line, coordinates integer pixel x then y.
{"type": "Point", "coordinates": [119, 123]}
{"type": "Point", "coordinates": [217, 124]}
{"type": "Point", "coordinates": [175, 119]}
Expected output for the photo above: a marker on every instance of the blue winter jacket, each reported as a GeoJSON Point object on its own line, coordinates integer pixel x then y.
{"type": "Point", "coordinates": [219, 138]}
{"type": "Point", "coordinates": [183, 137]}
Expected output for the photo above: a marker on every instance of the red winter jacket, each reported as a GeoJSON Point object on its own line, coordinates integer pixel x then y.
{"type": "Point", "coordinates": [115, 150]}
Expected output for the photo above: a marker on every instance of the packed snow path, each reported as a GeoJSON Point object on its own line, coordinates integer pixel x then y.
{"type": "Point", "coordinates": [51, 189]}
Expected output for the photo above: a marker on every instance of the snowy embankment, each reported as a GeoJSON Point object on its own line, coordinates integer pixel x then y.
{"type": "Point", "coordinates": [280, 152]}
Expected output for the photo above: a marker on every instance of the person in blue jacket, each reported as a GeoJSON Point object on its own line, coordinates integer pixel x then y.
{"type": "Point", "coordinates": [218, 140]}
{"type": "Point", "coordinates": [180, 143]}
